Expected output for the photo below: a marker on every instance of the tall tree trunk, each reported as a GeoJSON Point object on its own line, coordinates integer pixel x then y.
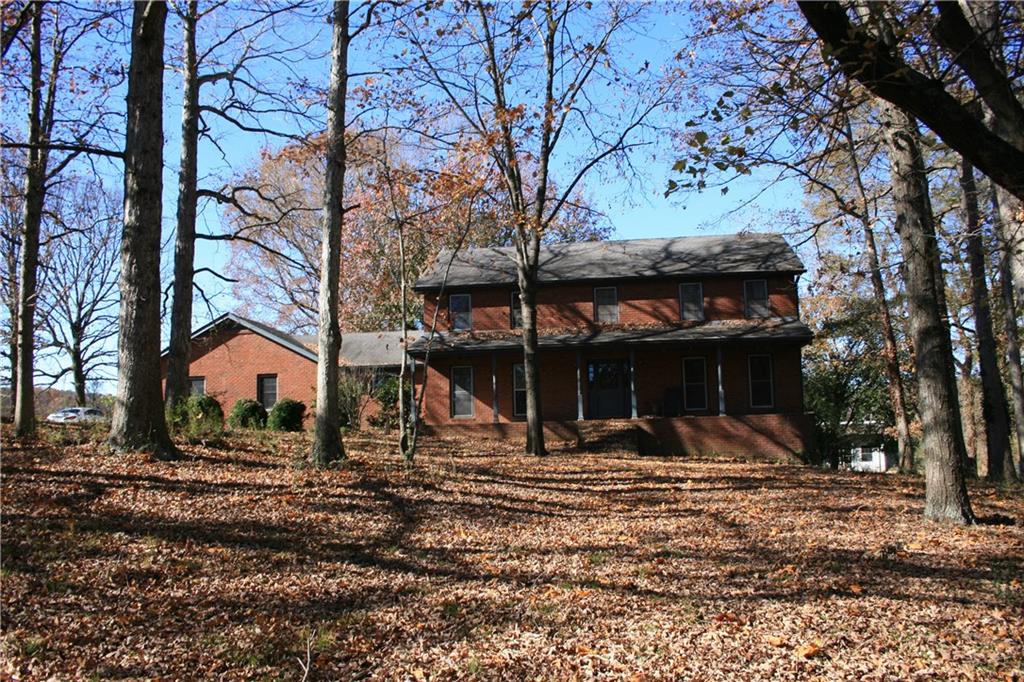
{"type": "Point", "coordinates": [403, 425]}
{"type": "Point", "coordinates": [327, 445]}
{"type": "Point", "coordinates": [999, 459]}
{"type": "Point", "coordinates": [893, 375]}
{"type": "Point", "coordinates": [942, 439]}
{"type": "Point", "coordinates": [35, 194]}
{"type": "Point", "coordinates": [527, 274]}
{"type": "Point", "coordinates": [78, 372]}
{"type": "Point", "coordinates": [1013, 359]}
{"type": "Point", "coordinates": [138, 422]}
{"type": "Point", "coordinates": [177, 386]}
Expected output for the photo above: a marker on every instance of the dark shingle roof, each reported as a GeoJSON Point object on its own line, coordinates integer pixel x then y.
{"type": "Point", "coordinates": [774, 329]}
{"type": "Point", "coordinates": [625, 259]}
{"type": "Point", "coordinates": [358, 349]}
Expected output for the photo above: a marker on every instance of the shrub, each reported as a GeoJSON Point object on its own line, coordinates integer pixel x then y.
{"type": "Point", "coordinates": [248, 414]}
{"type": "Point", "coordinates": [354, 384]}
{"type": "Point", "coordinates": [386, 394]}
{"type": "Point", "coordinates": [198, 416]}
{"type": "Point", "coordinates": [286, 415]}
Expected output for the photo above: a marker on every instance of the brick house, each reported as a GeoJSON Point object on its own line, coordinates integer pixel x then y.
{"type": "Point", "coordinates": [233, 357]}
{"type": "Point", "coordinates": [693, 341]}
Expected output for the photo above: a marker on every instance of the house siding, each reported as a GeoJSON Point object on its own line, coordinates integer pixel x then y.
{"type": "Point", "coordinates": [231, 359]}
{"type": "Point", "coordinates": [562, 306]}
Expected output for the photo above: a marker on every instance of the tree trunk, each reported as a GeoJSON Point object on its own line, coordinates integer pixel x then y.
{"type": "Point", "coordinates": [177, 386]}
{"type": "Point", "coordinates": [403, 425]}
{"type": "Point", "coordinates": [942, 439]}
{"type": "Point", "coordinates": [78, 373]}
{"type": "Point", "coordinates": [528, 299]}
{"type": "Point", "coordinates": [138, 420]}
{"type": "Point", "coordinates": [35, 193]}
{"type": "Point", "coordinates": [999, 459]}
{"type": "Point", "coordinates": [893, 374]}
{"type": "Point", "coordinates": [1013, 360]}
{"type": "Point", "coordinates": [327, 445]}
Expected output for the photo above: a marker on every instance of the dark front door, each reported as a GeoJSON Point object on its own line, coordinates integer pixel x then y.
{"type": "Point", "coordinates": [608, 389]}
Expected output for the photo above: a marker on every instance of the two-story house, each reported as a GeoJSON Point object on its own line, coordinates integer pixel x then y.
{"type": "Point", "coordinates": [696, 340]}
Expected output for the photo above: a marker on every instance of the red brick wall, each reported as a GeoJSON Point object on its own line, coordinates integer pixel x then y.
{"type": "Point", "coordinates": [658, 371]}
{"type": "Point", "coordinates": [642, 302]}
{"type": "Point", "coordinates": [230, 359]}
{"type": "Point", "coordinates": [758, 436]}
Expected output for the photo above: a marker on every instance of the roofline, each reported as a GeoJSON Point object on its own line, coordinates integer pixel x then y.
{"type": "Point", "coordinates": [241, 321]}
{"type": "Point", "coordinates": [424, 288]}
{"type": "Point", "coordinates": [514, 344]}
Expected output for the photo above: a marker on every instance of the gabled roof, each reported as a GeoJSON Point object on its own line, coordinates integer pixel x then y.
{"type": "Point", "coordinates": [767, 330]}
{"type": "Point", "coordinates": [358, 349]}
{"type": "Point", "coordinates": [619, 260]}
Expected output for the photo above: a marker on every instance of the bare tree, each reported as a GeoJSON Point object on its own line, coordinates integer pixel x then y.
{"type": "Point", "coordinates": [994, 408]}
{"type": "Point", "coordinates": [226, 83]}
{"type": "Point", "coordinates": [138, 421]}
{"type": "Point", "coordinates": [523, 84]}
{"type": "Point", "coordinates": [63, 117]}
{"type": "Point", "coordinates": [80, 294]}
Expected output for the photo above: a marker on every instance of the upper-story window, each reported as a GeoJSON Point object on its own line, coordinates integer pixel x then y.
{"type": "Point", "coordinates": [691, 301]}
{"type": "Point", "coordinates": [755, 295]}
{"type": "Point", "coordinates": [515, 311]}
{"type": "Point", "coordinates": [606, 305]}
{"type": "Point", "coordinates": [460, 312]}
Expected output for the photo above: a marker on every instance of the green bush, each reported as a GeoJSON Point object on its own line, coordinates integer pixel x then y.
{"type": "Point", "coordinates": [248, 414]}
{"type": "Point", "coordinates": [198, 416]}
{"type": "Point", "coordinates": [286, 415]}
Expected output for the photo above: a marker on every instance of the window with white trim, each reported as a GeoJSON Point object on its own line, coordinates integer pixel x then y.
{"type": "Point", "coordinates": [759, 373]}
{"type": "Point", "coordinates": [266, 390]}
{"type": "Point", "coordinates": [691, 301]}
{"type": "Point", "coordinates": [462, 391]}
{"type": "Point", "coordinates": [755, 296]}
{"type": "Point", "coordinates": [606, 305]}
{"type": "Point", "coordinates": [519, 390]}
{"type": "Point", "coordinates": [695, 384]}
{"type": "Point", "coordinates": [460, 312]}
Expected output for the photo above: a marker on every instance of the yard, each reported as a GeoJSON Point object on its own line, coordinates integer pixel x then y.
{"type": "Point", "coordinates": [481, 563]}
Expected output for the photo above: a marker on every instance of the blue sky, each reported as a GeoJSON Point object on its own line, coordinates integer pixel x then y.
{"type": "Point", "coordinates": [634, 209]}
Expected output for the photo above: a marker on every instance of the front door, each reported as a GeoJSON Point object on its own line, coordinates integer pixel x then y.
{"type": "Point", "coordinates": [608, 389]}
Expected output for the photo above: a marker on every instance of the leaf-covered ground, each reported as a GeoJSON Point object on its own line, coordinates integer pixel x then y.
{"type": "Point", "coordinates": [233, 564]}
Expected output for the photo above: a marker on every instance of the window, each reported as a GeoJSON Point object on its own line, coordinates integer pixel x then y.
{"type": "Point", "coordinates": [691, 301]}
{"type": "Point", "coordinates": [462, 391]}
{"type": "Point", "coordinates": [93, 413]}
{"type": "Point", "coordinates": [760, 374]}
{"type": "Point", "coordinates": [460, 312]}
{"type": "Point", "coordinates": [606, 305]}
{"type": "Point", "coordinates": [266, 390]}
{"type": "Point", "coordinates": [755, 293]}
{"type": "Point", "coordinates": [519, 390]}
{"type": "Point", "coordinates": [197, 385]}
{"type": "Point", "coordinates": [695, 384]}
{"type": "Point", "coordinates": [867, 455]}
{"type": "Point", "coordinates": [515, 313]}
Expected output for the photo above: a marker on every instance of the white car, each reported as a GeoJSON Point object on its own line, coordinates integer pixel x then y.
{"type": "Point", "coordinates": [76, 415]}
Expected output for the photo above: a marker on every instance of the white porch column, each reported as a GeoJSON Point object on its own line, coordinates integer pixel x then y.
{"type": "Point", "coordinates": [721, 386]}
{"type": "Point", "coordinates": [632, 383]}
{"type": "Point", "coordinates": [579, 386]}
{"type": "Point", "coordinates": [494, 387]}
